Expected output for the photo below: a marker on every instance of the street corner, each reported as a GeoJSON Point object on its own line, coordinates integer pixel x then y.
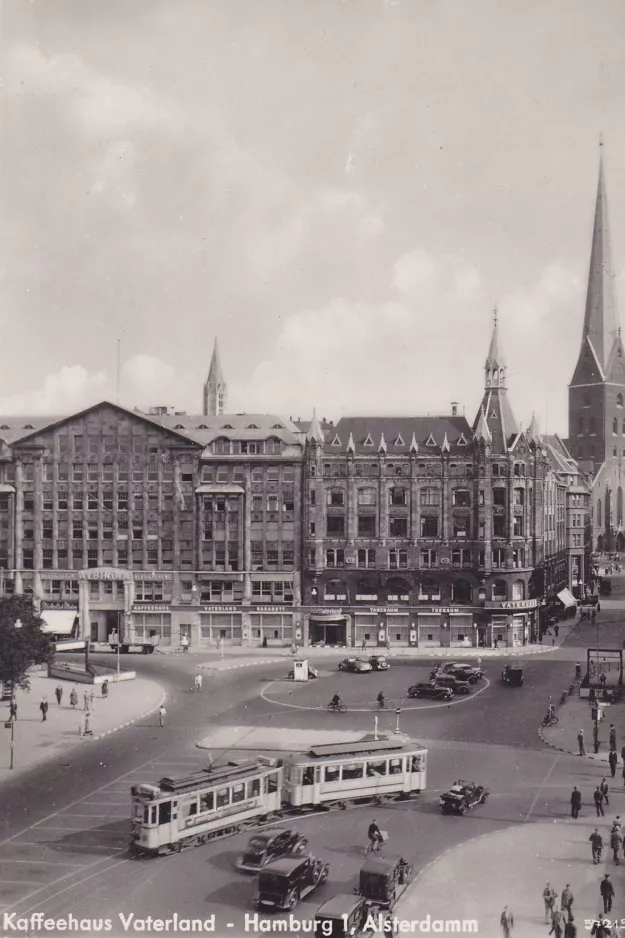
{"type": "Point", "coordinates": [475, 880]}
{"type": "Point", "coordinates": [575, 715]}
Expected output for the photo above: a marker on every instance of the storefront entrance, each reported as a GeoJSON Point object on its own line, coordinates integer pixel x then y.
{"type": "Point", "coordinates": [327, 631]}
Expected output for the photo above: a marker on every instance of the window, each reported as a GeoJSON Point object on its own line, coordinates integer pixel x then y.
{"type": "Point", "coordinates": [335, 526]}
{"type": "Point", "coordinates": [428, 558]}
{"type": "Point", "coordinates": [499, 557]}
{"type": "Point", "coordinates": [335, 558]}
{"type": "Point", "coordinates": [499, 527]}
{"type": "Point", "coordinates": [518, 590]}
{"type": "Point", "coordinates": [518, 526]}
{"type": "Point", "coordinates": [461, 527]}
{"type": "Point", "coordinates": [397, 558]}
{"type": "Point", "coordinates": [619, 400]}
{"type": "Point", "coordinates": [519, 496]}
{"type": "Point", "coordinates": [353, 771]}
{"type": "Point", "coordinates": [398, 527]}
{"type": "Point", "coordinates": [462, 498]}
{"type": "Point", "coordinates": [367, 496]}
{"type": "Point", "coordinates": [499, 497]}
{"type": "Point", "coordinates": [399, 496]}
{"type": "Point", "coordinates": [366, 558]}
{"type": "Point", "coordinates": [429, 497]}
{"type": "Point", "coordinates": [376, 769]}
{"type": "Point", "coordinates": [587, 399]}
{"type": "Point", "coordinates": [614, 425]}
{"type": "Point", "coordinates": [429, 527]}
{"type": "Point", "coordinates": [366, 525]}
{"type": "Point", "coordinates": [335, 497]}
{"type": "Point", "coordinates": [500, 591]}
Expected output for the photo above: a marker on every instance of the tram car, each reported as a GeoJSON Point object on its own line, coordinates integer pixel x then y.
{"type": "Point", "coordinates": [366, 770]}
{"type": "Point", "coordinates": [216, 801]}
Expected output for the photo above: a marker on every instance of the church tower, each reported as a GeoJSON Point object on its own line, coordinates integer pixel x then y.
{"type": "Point", "coordinates": [597, 389]}
{"type": "Point", "coordinates": [215, 388]}
{"type": "Point", "coordinates": [495, 419]}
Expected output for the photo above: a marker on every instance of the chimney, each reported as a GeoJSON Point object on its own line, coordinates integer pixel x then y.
{"type": "Point", "coordinates": [454, 408]}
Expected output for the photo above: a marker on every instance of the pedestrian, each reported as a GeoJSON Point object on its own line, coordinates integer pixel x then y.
{"type": "Point", "coordinates": [88, 729]}
{"type": "Point", "coordinates": [43, 706]}
{"type": "Point", "coordinates": [58, 693]}
{"type": "Point", "coordinates": [605, 789]}
{"type": "Point", "coordinates": [197, 683]}
{"type": "Point", "coordinates": [613, 761]}
{"type": "Point", "coordinates": [612, 736]}
{"type": "Point", "coordinates": [617, 823]}
{"type": "Point", "coordinates": [184, 643]}
{"type": "Point", "coordinates": [549, 898]}
{"type": "Point", "coordinates": [601, 927]}
{"type": "Point", "coordinates": [570, 929]}
{"type": "Point", "coordinates": [73, 698]}
{"type": "Point", "coordinates": [598, 799]}
{"type": "Point", "coordinates": [578, 672]}
{"type": "Point", "coordinates": [105, 688]}
{"type": "Point", "coordinates": [567, 899]}
{"type": "Point", "coordinates": [556, 629]}
{"type": "Point", "coordinates": [557, 921]}
{"type": "Point", "coordinates": [580, 743]}
{"type": "Point", "coordinates": [162, 713]}
{"type": "Point", "coordinates": [576, 802]}
{"type": "Point", "coordinates": [596, 841]}
{"type": "Point", "coordinates": [507, 922]}
{"type": "Point", "coordinates": [13, 710]}
{"type": "Point", "coordinates": [602, 680]}
{"type": "Point", "coordinates": [85, 701]}
{"type": "Point", "coordinates": [364, 645]}
{"type": "Point", "coordinates": [616, 842]}
{"type": "Point", "coordinates": [607, 893]}
{"type": "Point", "coordinates": [91, 698]}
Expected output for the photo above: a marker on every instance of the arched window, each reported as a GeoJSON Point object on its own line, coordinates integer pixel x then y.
{"type": "Point", "coordinates": [599, 515]}
{"type": "Point", "coordinates": [608, 509]}
{"type": "Point", "coordinates": [461, 592]}
{"type": "Point", "coordinates": [495, 374]}
{"type": "Point", "coordinates": [500, 591]}
{"type": "Point", "coordinates": [614, 425]}
{"type": "Point", "coordinates": [495, 470]}
{"type": "Point", "coordinates": [367, 496]}
{"type": "Point", "coordinates": [517, 469]}
{"type": "Point", "coordinates": [619, 400]}
{"type": "Point", "coordinates": [518, 590]}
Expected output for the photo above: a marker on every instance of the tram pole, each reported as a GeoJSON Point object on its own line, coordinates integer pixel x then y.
{"type": "Point", "coordinates": [397, 714]}
{"type": "Point", "coordinates": [375, 728]}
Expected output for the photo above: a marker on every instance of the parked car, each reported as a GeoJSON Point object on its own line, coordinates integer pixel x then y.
{"type": "Point", "coordinates": [379, 662]}
{"type": "Point", "coordinates": [432, 691]}
{"type": "Point", "coordinates": [348, 916]}
{"type": "Point", "coordinates": [462, 796]}
{"type": "Point", "coordinates": [282, 883]}
{"type": "Point", "coordinates": [472, 675]}
{"type": "Point", "coordinates": [512, 676]}
{"type": "Point", "coordinates": [268, 845]}
{"type": "Point", "coordinates": [355, 665]}
{"type": "Point", "coordinates": [455, 685]}
{"type": "Point", "coordinates": [451, 666]}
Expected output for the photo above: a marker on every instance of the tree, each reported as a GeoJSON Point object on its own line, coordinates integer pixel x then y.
{"type": "Point", "coordinates": [20, 648]}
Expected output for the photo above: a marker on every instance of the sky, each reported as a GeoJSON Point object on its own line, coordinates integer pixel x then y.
{"type": "Point", "coordinates": [341, 190]}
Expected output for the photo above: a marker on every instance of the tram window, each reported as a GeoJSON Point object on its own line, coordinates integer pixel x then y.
{"type": "Point", "coordinates": [192, 808]}
{"type": "Point", "coordinates": [222, 797]}
{"type": "Point", "coordinates": [309, 775]}
{"type": "Point", "coordinates": [146, 815]}
{"type": "Point", "coordinates": [416, 764]}
{"type": "Point", "coordinates": [273, 782]}
{"type": "Point", "coordinates": [395, 766]}
{"type": "Point", "coordinates": [332, 773]}
{"type": "Point", "coordinates": [153, 814]}
{"type": "Point", "coordinates": [238, 792]}
{"type": "Point", "coordinates": [253, 788]}
{"type": "Point", "coordinates": [353, 771]}
{"type": "Point", "coordinates": [376, 768]}
{"type": "Point", "coordinates": [164, 812]}
{"type": "Point", "coordinates": [206, 802]}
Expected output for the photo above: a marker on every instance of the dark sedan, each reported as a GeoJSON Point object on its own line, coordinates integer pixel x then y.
{"type": "Point", "coordinates": [355, 665]}
{"type": "Point", "coordinates": [269, 845]}
{"type": "Point", "coordinates": [431, 691]}
{"type": "Point", "coordinates": [462, 796]}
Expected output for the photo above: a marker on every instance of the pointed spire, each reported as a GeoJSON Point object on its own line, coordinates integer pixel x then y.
{"type": "Point", "coordinates": [495, 357]}
{"type": "Point", "coordinates": [533, 431]}
{"type": "Point", "coordinates": [482, 431]}
{"type": "Point", "coordinates": [414, 446]}
{"type": "Point", "coordinates": [215, 374]}
{"type": "Point", "coordinates": [314, 431]}
{"type": "Point", "coordinates": [215, 388]}
{"type": "Point", "coordinates": [351, 447]}
{"type": "Point", "coordinates": [600, 316]}
{"type": "Point", "coordinates": [382, 446]}
{"type": "Point", "coordinates": [445, 444]}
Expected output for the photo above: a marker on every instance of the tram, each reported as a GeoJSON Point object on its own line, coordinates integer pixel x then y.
{"type": "Point", "coordinates": [364, 770]}
{"type": "Point", "coordinates": [222, 800]}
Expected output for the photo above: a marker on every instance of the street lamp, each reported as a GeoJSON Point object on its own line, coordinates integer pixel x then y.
{"type": "Point", "coordinates": [11, 723]}
{"type": "Point", "coordinates": [397, 714]}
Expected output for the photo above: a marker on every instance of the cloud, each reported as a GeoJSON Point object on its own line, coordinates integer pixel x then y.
{"type": "Point", "coordinates": [68, 390]}
{"type": "Point", "coordinates": [419, 271]}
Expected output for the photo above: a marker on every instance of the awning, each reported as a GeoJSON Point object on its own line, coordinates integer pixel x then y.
{"type": "Point", "coordinates": [567, 598]}
{"type": "Point", "coordinates": [327, 618]}
{"type": "Point", "coordinates": [4, 487]}
{"type": "Point", "coordinates": [220, 490]}
{"type": "Point", "coordinates": [58, 621]}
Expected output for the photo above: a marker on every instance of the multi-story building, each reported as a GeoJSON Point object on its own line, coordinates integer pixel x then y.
{"type": "Point", "coordinates": [597, 390]}
{"type": "Point", "coordinates": [165, 524]}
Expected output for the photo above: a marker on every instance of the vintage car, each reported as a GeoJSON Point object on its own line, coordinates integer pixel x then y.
{"type": "Point", "coordinates": [379, 662]}
{"type": "Point", "coordinates": [355, 665]}
{"type": "Point", "coordinates": [459, 669]}
{"type": "Point", "coordinates": [268, 845]}
{"type": "Point", "coordinates": [383, 879]}
{"type": "Point", "coordinates": [431, 691]}
{"type": "Point", "coordinates": [282, 883]}
{"type": "Point", "coordinates": [453, 683]}
{"type": "Point", "coordinates": [346, 916]}
{"type": "Point", "coordinates": [462, 796]}
{"type": "Point", "coordinates": [512, 676]}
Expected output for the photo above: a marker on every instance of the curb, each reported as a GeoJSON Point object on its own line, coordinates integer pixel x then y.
{"type": "Point", "coordinates": [123, 726]}
{"type": "Point", "coordinates": [246, 664]}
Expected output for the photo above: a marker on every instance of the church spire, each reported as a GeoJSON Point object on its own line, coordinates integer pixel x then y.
{"type": "Point", "coordinates": [495, 365]}
{"type": "Point", "coordinates": [495, 421]}
{"type": "Point", "coordinates": [215, 388]}
{"type": "Point", "coordinates": [600, 316]}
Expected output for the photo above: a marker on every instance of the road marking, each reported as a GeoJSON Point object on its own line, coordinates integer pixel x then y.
{"type": "Point", "coordinates": [39, 862]}
{"type": "Point", "coordinates": [449, 703]}
{"type": "Point", "coordinates": [543, 785]}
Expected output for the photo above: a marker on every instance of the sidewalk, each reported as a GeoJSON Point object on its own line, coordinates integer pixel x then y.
{"type": "Point", "coordinates": [36, 741]}
{"type": "Point", "coordinates": [478, 878]}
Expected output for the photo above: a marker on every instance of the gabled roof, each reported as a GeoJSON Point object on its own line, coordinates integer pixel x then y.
{"type": "Point", "coordinates": [368, 434]}
{"type": "Point", "coordinates": [13, 429]}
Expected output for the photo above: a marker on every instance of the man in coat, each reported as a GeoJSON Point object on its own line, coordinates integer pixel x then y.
{"type": "Point", "coordinates": [598, 799]}
{"type": "Point", "coordinates": [566, 900]}
{"type": "Point", "coordinates": [616, 842]}
{"type": "Point", "coordinates": [580, 743]}
{"type": "Point", "coordinates": [43, 706]}
{"type": "Point", "coordinates": [605, 790]}
{"type": "Point", "coordinates": [549, 898]}
{"type": "Point", "coordinates": [612, 738]}
{"type": "Point", "coordinates": [570, 929]}
{"type": "Point", "coordinates": [613, 761]}
{"type": "Point", "coordinates": [607, 893]}
{"type": "Point", "coordinates": [507, 922]}
{"type": "Point", "coordinates": [596, 841]}
{"type": "Point", "coordinates": [576, 802]}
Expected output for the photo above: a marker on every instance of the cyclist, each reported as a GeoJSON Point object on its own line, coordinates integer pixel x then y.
{"type": "Point", "coordinates": [336, 701]}
{"type": "Point", "coordinates": [375, 836]}
{"type": "Point", "coordinates": [381, 700]}
{"type": "Point", "coordinates": [197, 683]}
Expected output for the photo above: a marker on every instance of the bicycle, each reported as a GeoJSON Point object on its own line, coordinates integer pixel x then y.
{"type": "Point", "coordinates": [381, 704]}
{"type": "Point", "coordinates": [375, 846]}
{"type": "Point", "coordinates": [550, 720]}
{"type": "Point", "coordinates": [336, 708]}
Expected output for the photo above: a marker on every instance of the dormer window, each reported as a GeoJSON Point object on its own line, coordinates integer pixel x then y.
{"type": "Point", "coordinates": [251, 426]}
{"type": "Point", "coordinates": [5, 426]}
{"type": "Point", "coordinates": [493, 415]}
{"type": "Point", "coordinates": [221, 445]}
{"type": "Point", "coordinates": [178, 426]}
{"type": "Point", "coordinates": [619, 400]}
{"type": "Point", "coordinates": [430, 441]}
{"type": "Point", "coordinates": [202, 426]}
{"type": "Point", "coordinates": [461, 441]}
{"type": "Point", "coordinates": [399, 441]}
{"type": "Point", "coordinates": [336, 441]}
{"type": "Point", "coordinates": [277, 426]}
{"type": "Point", "coordinates": [368, 440]}
{"type": "Point", "coordinates": [28, 426]}
{"type": "Point", "coordinates": [227, 426]}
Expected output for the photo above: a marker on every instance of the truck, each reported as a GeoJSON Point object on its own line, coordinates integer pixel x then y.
{"type": "Point", "coordinates": [146, 648]}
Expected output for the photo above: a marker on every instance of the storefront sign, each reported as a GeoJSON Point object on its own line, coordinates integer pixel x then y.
{"type": "Point", "coordinates": [142, 577]}
{"type": "Point", "coordinates": [48, 605]}
{"type": "Point", "coordinates": [104, 574]}
{"type": "Point", "coordinates": [329, 612]}
{"type": "Point", "coordinates": [144, 607]}
{"type": "Point", "coordinates": [220, 608]}
{"type": "Point", "coordinates": [272, 609]}
{"type": "Point", "coordinates": [384, 609]}
{"type": "Point", "coordinates": [520, 604]}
